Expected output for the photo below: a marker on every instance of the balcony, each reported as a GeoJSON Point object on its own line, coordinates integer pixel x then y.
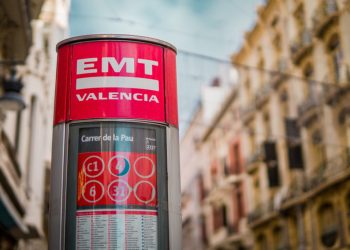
{"type": "Point", "coordinates": [328, 171]}
{"type": "Point", "coordinates": [261, 211]}
{"type": "Point", "coordinates": [247, 113]}
{"type": "Point", "coordinates": [301, 47]}
{"type": "Point", "coordinates": [278, 78]}
{"type": "Point", "coordinates": [325, 16]}
{"type": "Point", "coordinates": [334, 92]}
{"type": "Point", "coordinates": [262, 95]}
{"type": "Point", "coordinates": [308, 110]}
{"type": "Point", "coordinates": [252, 160]}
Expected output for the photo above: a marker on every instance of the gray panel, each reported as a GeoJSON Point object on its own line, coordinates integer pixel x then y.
{"type": "Point", "coordinates": [57, 194]}
{"type": "Point", "coordinates": [162, 177]}
{"type": "Point", "coordinates": [174, 191]}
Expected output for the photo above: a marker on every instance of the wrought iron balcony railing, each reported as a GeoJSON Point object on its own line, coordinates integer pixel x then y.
{"type": "Point", "coordinates": [262, 95]}
{"type": "Point", "coordinates": [247, 112]}
{"type": "Point", "coordinates": [261, 210]}
{"type": "Point", "coordinates": [278, 77]}
{"type": "Point", "coordinates": [311, 102]}
{"type": "Point", "coordinates": [325, 15]}
{"type": "Point", "coordinates": [327, 170]}
{"type": "Point", "coordinates": [333, 92]}
{"type": "Point", "coordinates": [256, 157]}
{"type": "Point", "coordinates": [309, 108]}
{"type": "Point", "coordinates": [301, 46]}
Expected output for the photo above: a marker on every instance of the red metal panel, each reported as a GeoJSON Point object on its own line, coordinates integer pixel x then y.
{"type": "Point", "coordinates": [116, 79]}
{"type": "Point", "coordinates": [171, 87]}
{"type": "Point", "coordinates": [62, 79]}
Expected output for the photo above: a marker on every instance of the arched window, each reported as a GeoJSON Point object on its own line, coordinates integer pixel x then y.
{"type": "Point", "coordinates": [262, 243]}
{"type": "Point", "coordinates": [328, 225]}
{"type": "Point", "coordinates": [348, 210]}
{"type": "Point", "coordinates": [311, 87]}
{"type": "Point", "coordinates": [278, 238]}
{"type": "Point", "coordinates": [335, 57]}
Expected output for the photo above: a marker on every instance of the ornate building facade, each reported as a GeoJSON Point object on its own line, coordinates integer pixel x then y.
{"type": "Point", "coordinates": [293, 129]}
{"type": "Point", "coordinates": [25, 142]}
{"type": "Point", "coordinates": [296, 114]}
{"type": "Point", "coordinates": [214, 187]}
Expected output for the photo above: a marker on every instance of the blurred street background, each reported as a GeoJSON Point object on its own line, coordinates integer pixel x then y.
{"type": "Point", "coordinates": [264, 111]}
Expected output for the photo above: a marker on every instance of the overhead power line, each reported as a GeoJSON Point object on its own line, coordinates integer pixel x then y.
{"type": "Point", "coordinates": [151, 26]}
{"type": "Point", "coordinates": [250, 67]}
{"type": "Point", "coordinates": [243, 129]}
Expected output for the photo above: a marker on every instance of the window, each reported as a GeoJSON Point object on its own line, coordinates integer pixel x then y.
{"type": "Point", "coordinates": [214, 172]}
{"type": "Point", "coordinates": [317, 148]}
{"type": "Point", "coordinates": [310, 85]}
{"type": "Point", "coordinates": [240, 201]}
{"type": "Point", "coordinates": [348, 211]}
{"type": "Point", "coordinates": [328, 225]}
{"type": "Point", "coordinates": [262, 242]}
{"type": "Point", "coordinates": [267, 126]}
{"type": "Point", "coordinates": [336, 57]}
{"type": "Point", "coordinates": [235, 159]}
{"type": "Point", "coordinates": [204, 230]}
{"type": "Point", "coordinates": [278, 242]}
{"type": "Point", "coordinates": [201, 187]}
{"type": "Point", "coordinates": [219, 217]}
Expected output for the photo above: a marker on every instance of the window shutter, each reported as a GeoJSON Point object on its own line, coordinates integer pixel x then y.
{"type": "Point", "coordinates": [295, 157]}
{"type": "Point", "coordinates": [271, 161]}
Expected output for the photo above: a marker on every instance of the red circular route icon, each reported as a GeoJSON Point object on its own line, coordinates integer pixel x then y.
{"type": "Point", "coordinates": [144, 167]}
{"type": "Point", "coordinates": [119, 190]}
{"type": "Point", "coordinates": [93, 166]}
{"type": "Point", "coordinates": [119, 165]}
{"type": "Point", "coordinates": [144, 191]}
{"type": "Point", "coordinates": [92, 191]}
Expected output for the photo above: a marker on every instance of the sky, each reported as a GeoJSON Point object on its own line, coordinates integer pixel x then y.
{"type": "Point", "coordinates": [213, 28]}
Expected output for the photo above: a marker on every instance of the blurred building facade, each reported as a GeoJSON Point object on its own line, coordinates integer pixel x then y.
{"type": "Point", "coordinates": [26, 134]}
{"type": "Point", "coordinates": [293, 130]}
{"type": "Point", "coordinates": [214, 188]}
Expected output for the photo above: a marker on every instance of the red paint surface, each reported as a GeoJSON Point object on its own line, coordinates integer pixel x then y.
{"type": "Point", "coordinates": [68, 107]}
{"type": "Point", "coordinates": [171, 87]}
{"type": "Point", "coordinates": [62, 81]}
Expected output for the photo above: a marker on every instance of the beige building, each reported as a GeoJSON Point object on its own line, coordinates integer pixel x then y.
{"type": "Point", "coordinates": [295, 114]}
{"type": "Point", "coordinates": [213, 186]}
{"type": "Point", "coordinates": [26, 133]}
{"type": "Point", "coordinates": [290, 117]}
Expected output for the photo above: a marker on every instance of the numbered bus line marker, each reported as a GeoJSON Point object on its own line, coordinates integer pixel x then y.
{"type": "Point", "coordinates": [92, 192]}
{"type": "Point", "coordinates": [88, 167]}
{"type": "Point", "coordinates": [119, 189]}
{"type": "Point", "coordinates": [126, 166]}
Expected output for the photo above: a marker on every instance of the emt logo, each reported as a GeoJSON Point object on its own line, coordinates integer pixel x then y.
{"type": "Point", "coordinates": [88, 66]}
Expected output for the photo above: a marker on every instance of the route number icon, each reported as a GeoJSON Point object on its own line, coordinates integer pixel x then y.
{"type": "Point", "coordinates": [92, 191]}
{"type": "Point", "coordinates": [119, 190]}
{"type": "Point", "coordinates": [93, 166]}
{"type": "Point", "coordinates": [119, 165]}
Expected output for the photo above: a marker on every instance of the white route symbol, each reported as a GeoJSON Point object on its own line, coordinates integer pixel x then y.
{"type": "Point", "coordinates": [93, 166]}
{"type": "Point", "coordinates": [152, 195]}
{"type": "Point", "coordinates": [122, 165]}
{"type": "Point", "coordinates": [90, 191]}
{"type": "Point", "coordinates": [147, 159]}
{"type": "Point", "coordinates": [119, 190]}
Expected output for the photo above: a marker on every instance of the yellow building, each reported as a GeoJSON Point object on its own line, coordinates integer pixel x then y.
{"type": "Point", "coordinates": [295, 113]}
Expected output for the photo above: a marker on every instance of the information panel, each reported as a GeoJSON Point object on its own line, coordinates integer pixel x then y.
{"type": "Point", "coordinates": [116, 203]}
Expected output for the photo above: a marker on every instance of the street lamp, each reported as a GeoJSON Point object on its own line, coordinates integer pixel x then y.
{"type": "Point", "coordinates": [12, 99]}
